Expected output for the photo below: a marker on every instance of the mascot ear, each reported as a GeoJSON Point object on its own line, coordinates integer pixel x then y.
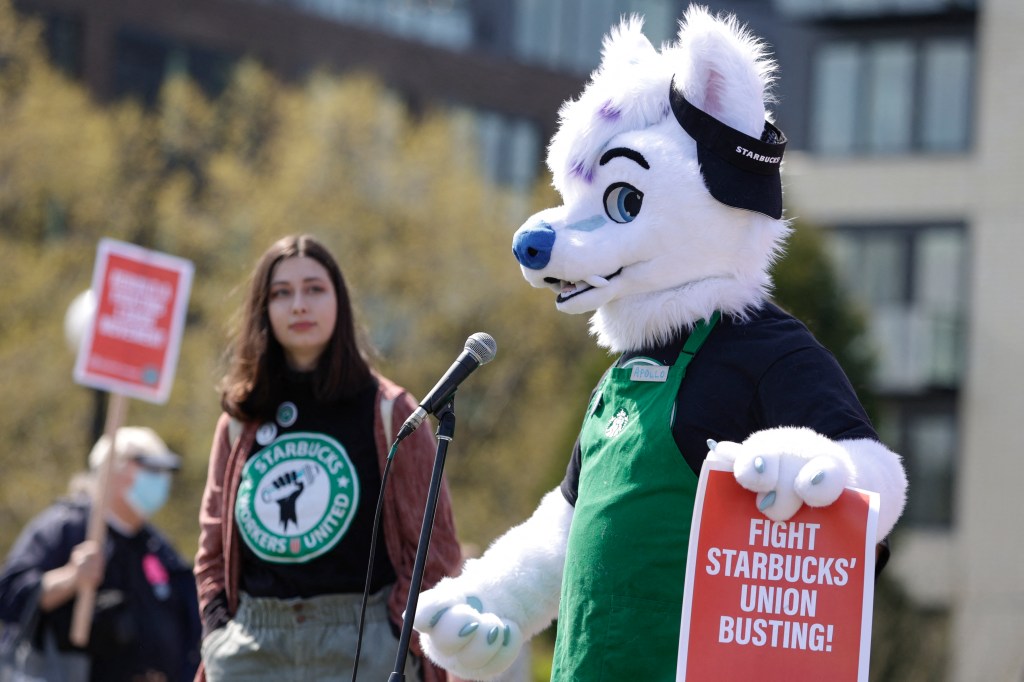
{"type": "Point", "coordinates": [626, 45]}
{"type": "Point", "coordinates": [717, 96]}
{"type": "Point", "coordinates": [724, 70]}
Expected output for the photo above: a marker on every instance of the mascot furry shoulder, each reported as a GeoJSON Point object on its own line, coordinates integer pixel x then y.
{"type": "Point", "coordinates": [668, 166]}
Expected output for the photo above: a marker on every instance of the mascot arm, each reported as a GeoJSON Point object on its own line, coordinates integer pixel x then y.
{"type": "Point", "coordinates": [791, 466]}
{"type": "Point", "coordinates": [475, 624]}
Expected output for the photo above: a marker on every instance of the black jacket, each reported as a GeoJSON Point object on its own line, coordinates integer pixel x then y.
{"type": "Point", "coordinates": [147, 613]}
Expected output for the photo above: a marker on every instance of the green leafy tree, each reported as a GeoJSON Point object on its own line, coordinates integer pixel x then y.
{"type": "Point", "coordinates": [424, 242]}
{"type": "Point", "coordinates": [806, 284]}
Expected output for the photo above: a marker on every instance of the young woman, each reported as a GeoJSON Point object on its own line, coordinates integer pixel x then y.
{"type": "Point", "coordinates": [294, 478]}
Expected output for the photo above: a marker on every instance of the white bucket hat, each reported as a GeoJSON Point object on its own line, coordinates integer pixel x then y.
{"type": "Point", "coordinates": [139, 443]}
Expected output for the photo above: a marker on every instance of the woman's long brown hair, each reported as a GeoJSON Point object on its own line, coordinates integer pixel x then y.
{"type": "Point", "coordinates": [256, 364]}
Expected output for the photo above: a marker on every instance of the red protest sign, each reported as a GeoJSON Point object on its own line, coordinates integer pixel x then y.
{"type": "Point", "coordinates": [772, 600]}
{"type": "Point", "coordinates": [132, 344]}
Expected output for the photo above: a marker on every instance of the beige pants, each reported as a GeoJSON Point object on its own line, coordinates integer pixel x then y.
{"type": "Point", "coordinates": [304, 640]}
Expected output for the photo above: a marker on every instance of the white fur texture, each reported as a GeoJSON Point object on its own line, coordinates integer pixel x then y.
{"type": "Point", "coordinates": [879, 469]}
{"type": "Point", "coordinates": [791, 466]}
{"type": "Point", "coordinates": [685, 255]}
{"type": "Point", "coordinates": [475, 625]}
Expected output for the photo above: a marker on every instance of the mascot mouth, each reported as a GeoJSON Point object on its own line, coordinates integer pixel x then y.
{"type": "Point", "coordinates": [567, 290]}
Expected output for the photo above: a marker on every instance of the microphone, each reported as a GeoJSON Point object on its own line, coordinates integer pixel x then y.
{"type": "Point", "coordinates": [480, 349]}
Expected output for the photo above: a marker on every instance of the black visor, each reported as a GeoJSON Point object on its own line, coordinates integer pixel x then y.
{"type": "Point", "coordinates": [739, 170]}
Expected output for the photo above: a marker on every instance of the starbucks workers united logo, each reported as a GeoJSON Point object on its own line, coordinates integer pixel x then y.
{"type": "Point", "coordinates": [297, 498]}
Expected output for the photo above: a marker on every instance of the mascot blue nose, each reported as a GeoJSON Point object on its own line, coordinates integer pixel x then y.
{"type": "Point", "coordinates": [532, 245]}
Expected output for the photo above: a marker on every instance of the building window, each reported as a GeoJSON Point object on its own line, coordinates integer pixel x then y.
{"type": "Point", "coordinates": [892, 96]}
{"type": "Point", "coordinates": [144, 60]}
{"type": "Point", "coordinates": [946, 95]}
{"type": "Point", "coordinates": [567, 34]}
{"type": "Point", "coordinates": [867, 8]}
{"type": "Point", "coordinates": [63, 36]}
{"type": "Point", "coordinates": [506, 148]}
{"type": "Point", "coordinates": [928, 434]}
{"type": "Point", "coordinates": [444, 23]}
{"type": "Point", "coordinates": [912, 282]}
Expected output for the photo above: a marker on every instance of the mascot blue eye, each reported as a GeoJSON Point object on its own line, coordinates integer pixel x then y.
{"type": "Point", "coordinates": [622, 202]}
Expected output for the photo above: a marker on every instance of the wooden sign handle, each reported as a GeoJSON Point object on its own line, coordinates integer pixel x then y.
{"type": "Point", "coordinates": [85, 603]}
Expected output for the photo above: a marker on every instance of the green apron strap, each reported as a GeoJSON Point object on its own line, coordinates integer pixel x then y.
{"type": "Point", "coordinates": [699, 335]}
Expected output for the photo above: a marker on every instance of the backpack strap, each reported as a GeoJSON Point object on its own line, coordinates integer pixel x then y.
{"type": "Point", "coordinates": [234, 431]}
{"type": "Point", "coordinates": [387, 409]}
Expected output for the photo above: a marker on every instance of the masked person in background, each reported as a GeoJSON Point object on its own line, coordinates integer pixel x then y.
{"type": "Point", "coordinates": [145, 624]}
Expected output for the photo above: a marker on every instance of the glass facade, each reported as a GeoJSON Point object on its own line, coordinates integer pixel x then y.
{"type": "Point", "coordinates": [144, 60]}
{"type": "Point", "coordinates": [913, 282]}
{"type": "Point", "coordinates": [947, 74]}
{"type": "Point", "coordinates": [931, 436]}
{"type": "Point", "coordinates": [862, 8]}
{"type": "Point", "coordinates": [63, 36]}
{"type": "Point", "coordinates": [508, 149]}
{"type": "Point", "coordinates": [892, 96]}
{"type": "Point", "coordinates": [446, 23]}
{"type": "Point", "coordinates": [559, 34]}
{"type": "Point", "coordinates": [567, 34]}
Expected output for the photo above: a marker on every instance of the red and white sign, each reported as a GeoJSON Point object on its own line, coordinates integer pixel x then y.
{"type": "Point", "coordinates": [768, 600]}
{"type": "Point", "coordinates": [132, 344]}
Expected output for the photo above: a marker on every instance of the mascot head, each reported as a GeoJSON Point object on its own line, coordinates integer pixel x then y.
{"type": "Point", "coordinates": [668, 166]}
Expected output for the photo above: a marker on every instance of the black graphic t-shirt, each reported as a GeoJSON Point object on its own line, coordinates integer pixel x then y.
{"type": "Point", "coordinates": [307, 498]}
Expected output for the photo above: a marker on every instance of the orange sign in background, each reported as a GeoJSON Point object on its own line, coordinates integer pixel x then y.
{"type": "Point", "coordinates": [769, 600]}
{"type": "Point", "coordinates": [132, 344]}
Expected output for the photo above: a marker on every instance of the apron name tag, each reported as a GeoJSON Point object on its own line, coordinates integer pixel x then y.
{"type": "Point", "coordinates": [649, 373]}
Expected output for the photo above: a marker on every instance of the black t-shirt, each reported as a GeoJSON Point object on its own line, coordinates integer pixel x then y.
{"type": "Point", "coordinates": [138, 627]}
{"type": "Point", "coordinates": [308, 496]}
{"type": "Point", "coordinates": [766, 372]}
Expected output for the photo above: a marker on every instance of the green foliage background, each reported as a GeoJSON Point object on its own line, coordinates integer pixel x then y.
{"type": "Point", "coordinates": [424, 243]}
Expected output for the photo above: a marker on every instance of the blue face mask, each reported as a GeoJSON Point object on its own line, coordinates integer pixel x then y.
{"type": "Point", "coordinates": [149, 492]}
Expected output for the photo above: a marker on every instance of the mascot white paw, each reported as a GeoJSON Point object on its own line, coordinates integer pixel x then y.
{"type": "Point", "coordinates": [789, 467]}
{"type": "Point", "coordinates": [461, 636]}
{"type": "Point", "coordinates": [475, 625]}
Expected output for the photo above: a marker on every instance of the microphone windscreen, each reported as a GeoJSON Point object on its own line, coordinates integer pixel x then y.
{"type": "Point", "coordinates": [482, 346]}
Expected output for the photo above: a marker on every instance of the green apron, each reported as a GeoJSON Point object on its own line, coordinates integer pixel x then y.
{"type": "Point", "coordinates": [622, 592]}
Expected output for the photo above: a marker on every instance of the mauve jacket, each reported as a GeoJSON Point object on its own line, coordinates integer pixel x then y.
{"type": "Point", "coordinates": [217, 564]}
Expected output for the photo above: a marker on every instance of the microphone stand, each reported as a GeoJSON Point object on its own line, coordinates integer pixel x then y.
{"type": "Point", "coordinates": [445, 432]}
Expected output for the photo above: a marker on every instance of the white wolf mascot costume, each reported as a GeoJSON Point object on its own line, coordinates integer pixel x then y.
{"type": "Point", "coordinates": [668, 165]}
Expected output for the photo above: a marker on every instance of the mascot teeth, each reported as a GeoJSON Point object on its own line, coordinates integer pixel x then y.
{"type": "Point", "coordinates": [570, 289]}
{"type": "Point", "coordinates": [567, 289]}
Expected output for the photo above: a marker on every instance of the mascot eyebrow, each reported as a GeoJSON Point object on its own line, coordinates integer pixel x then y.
{"type": "Point", "coordinates": [630, 154]}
